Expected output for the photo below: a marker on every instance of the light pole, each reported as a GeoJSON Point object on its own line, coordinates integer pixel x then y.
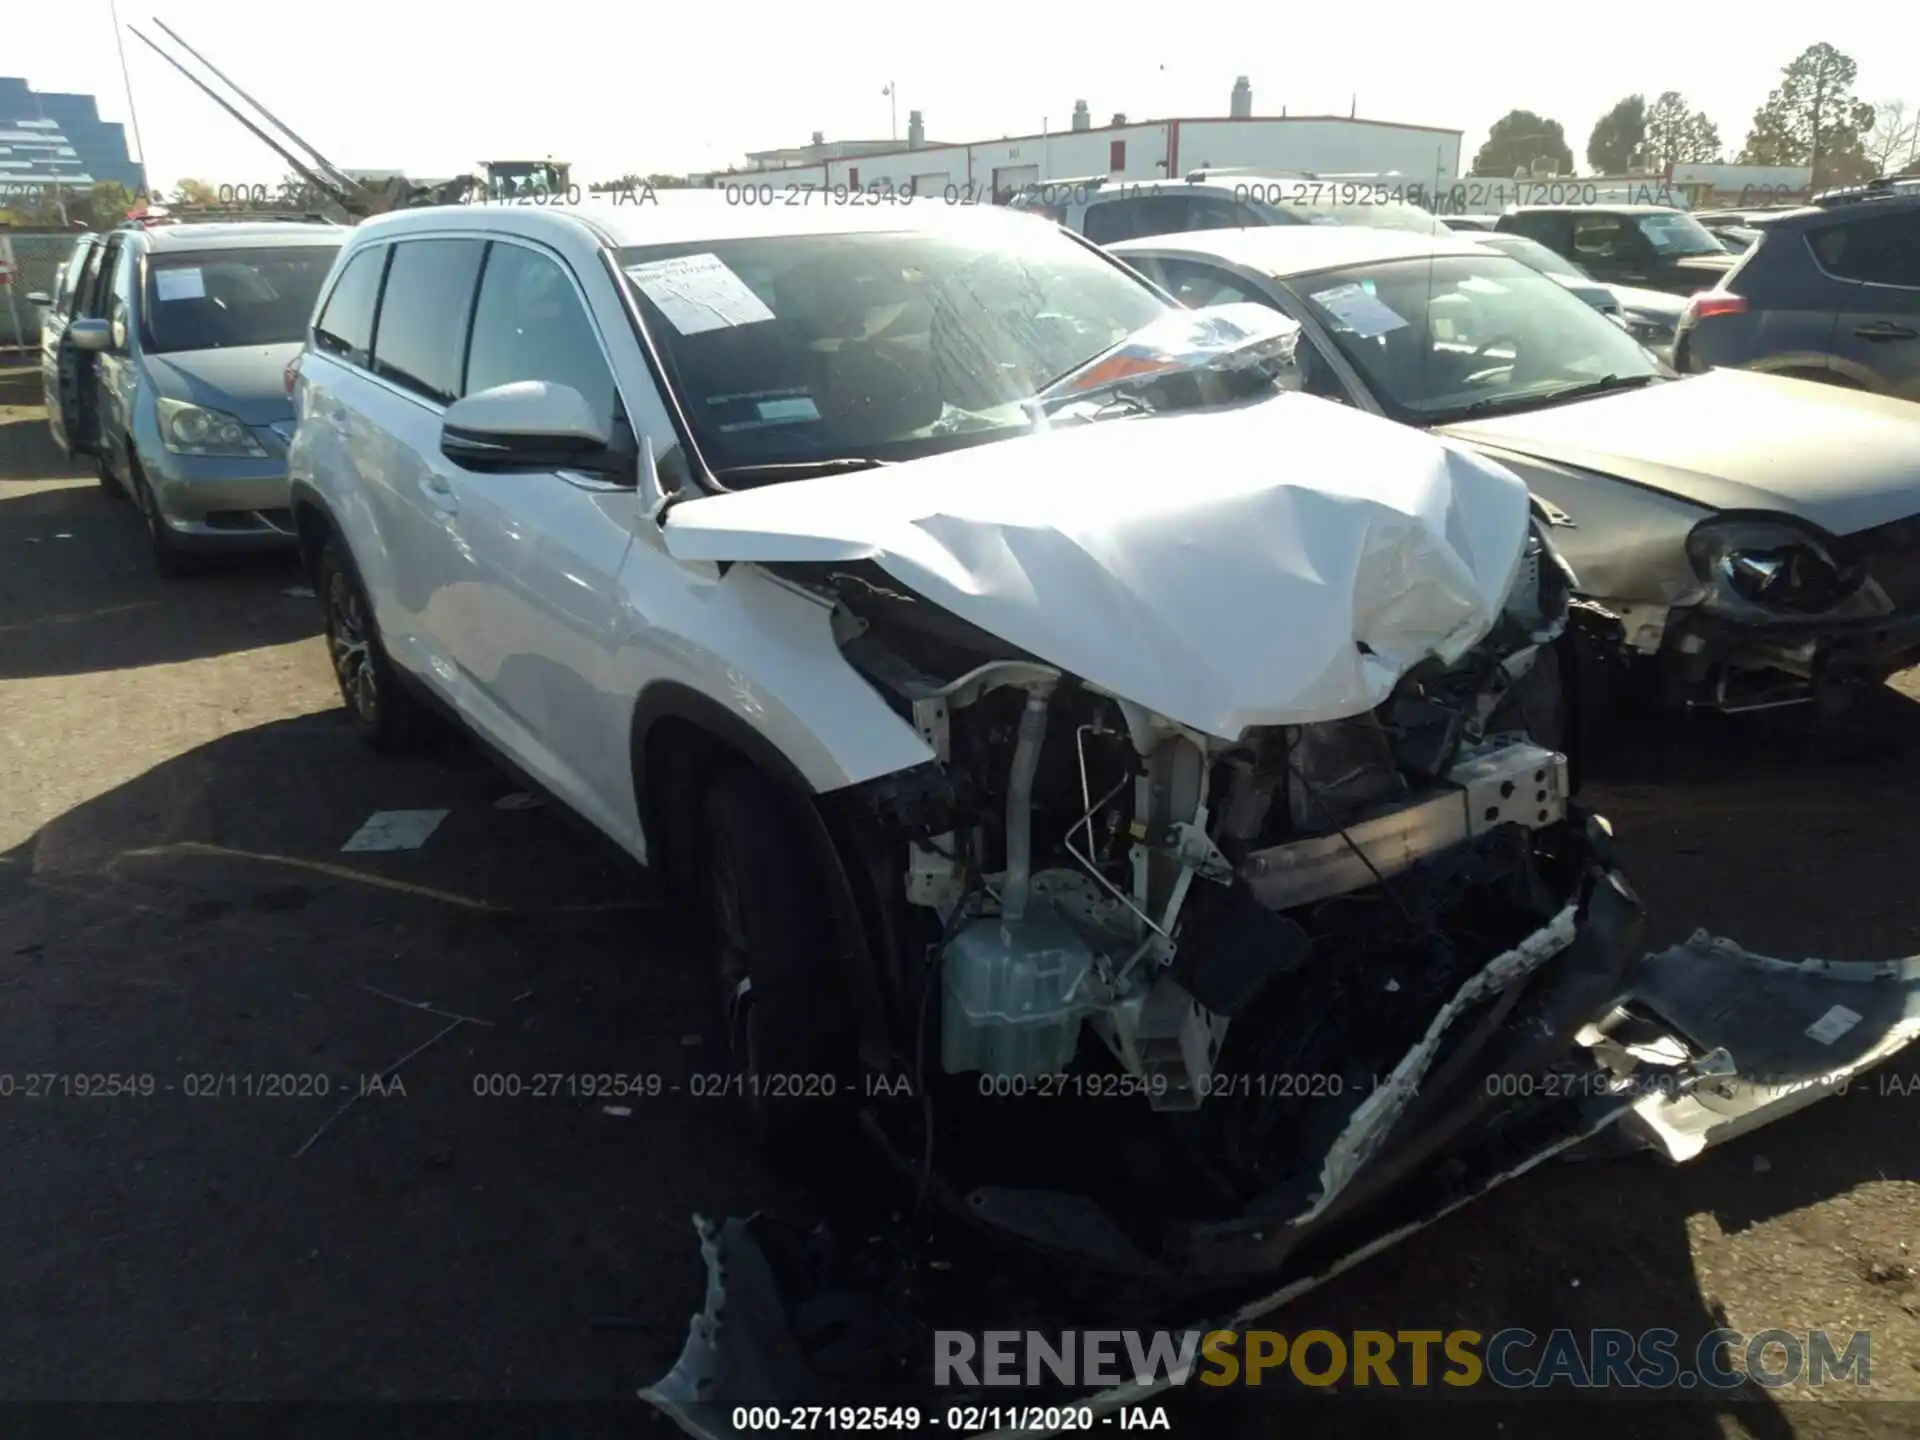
{"type": "Point", "coordinates": [893, 110]}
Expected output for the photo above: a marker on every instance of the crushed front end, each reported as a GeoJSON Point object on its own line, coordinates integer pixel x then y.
{"type": "Point", "coordinates": [1172, 1005]}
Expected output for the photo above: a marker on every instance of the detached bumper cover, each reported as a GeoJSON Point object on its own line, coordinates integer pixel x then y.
{"type": "Point", "coordinates": [1796, 1031]}
{"type": "Point", "coordinates": [1748, 1039]}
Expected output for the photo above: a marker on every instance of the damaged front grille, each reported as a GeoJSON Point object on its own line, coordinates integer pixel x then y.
{"type": "Point", "coordinates": [1178, 976]}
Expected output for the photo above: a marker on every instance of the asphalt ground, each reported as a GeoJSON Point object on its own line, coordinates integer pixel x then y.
{"type": "Point", "coordinates": [176, 783]}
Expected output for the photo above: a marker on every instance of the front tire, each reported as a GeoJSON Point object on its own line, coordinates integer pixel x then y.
{"type": "Point", "coordinates": [777, 960]}
{"type": "Point", "coordinates": [384, 714]}
{"type": "Point", "coordinates": [170, 559]}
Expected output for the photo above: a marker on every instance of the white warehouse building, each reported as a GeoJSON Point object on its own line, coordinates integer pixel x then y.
{"type": "Point", "coordinates": [1422, 155]}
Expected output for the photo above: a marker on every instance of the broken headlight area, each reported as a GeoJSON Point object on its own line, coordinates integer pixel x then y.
{"type": "Point", "coordinates": [1153, 983]}
{"type": "Point", "coordinates": [1779, 569]}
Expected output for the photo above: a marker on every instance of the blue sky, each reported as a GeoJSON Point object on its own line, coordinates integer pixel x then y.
{"type": "Point", "coordinates": [433, 89]}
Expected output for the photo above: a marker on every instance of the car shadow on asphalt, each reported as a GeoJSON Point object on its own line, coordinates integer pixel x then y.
{"type": "Point", "coordinates": [79, 594]}
{"type": "Point", "coordinates": [507, 1214]}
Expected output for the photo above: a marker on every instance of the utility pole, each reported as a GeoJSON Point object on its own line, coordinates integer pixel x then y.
{"type": "Point", "coordinates": [890, 90]}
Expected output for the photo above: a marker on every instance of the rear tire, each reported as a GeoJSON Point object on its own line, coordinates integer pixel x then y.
{"type": "Point", "coordinates": [385, 715]}
{"type": "Point", "coordinates": [777, 961]}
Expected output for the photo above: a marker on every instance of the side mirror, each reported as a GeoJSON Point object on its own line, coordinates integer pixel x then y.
{"type": "Point", "coordinates": [528, 425]}
{"type": "Point", "coordinates": [92, 336]}
{"type": "Point", "coordinates": [39, 297]}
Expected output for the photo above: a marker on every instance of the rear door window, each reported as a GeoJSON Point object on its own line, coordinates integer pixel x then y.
{"type": "Point", "coordinates": [1219, 212]}
{"type": "Point", "coordinates": [1880, 250]}
{"type": "Point", "coordinates": [89, 295]}
{"type": "Point", "coordinates": [1130, 218]}
{"type": "Point", "coordinates": [345, 328]}
{"type": "Point", "coordinates": [70, 275]}
{"type": "Point", "coordinates": [421, 335]}
{"type": "Point", "coordinates": [1551, 228]}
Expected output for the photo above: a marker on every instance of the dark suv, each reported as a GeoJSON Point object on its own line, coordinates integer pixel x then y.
{"type": "Point", "coordinates": [1654, 247]}
{"type": "Point", "coordinates": [1827, 294]}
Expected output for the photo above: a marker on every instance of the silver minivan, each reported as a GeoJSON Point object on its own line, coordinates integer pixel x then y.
{"type": "Point", "coordinates": [164, 355]}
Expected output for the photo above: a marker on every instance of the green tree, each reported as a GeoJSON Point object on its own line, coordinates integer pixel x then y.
{"type": "Point", "coordinates": [1617, 135]}
{"type": "Point", "coordinates": [637, 182]}
{"type": "Point", "coordinates": [194, 192]}
{"type": "Point", "coordinates": [1813, 118]}
{"type": "Point", "coordinates": [1521, 140]}
{"type": "Point", "coordinates": [108, 203]}
{"type": "Point", "coordinates": [1677, 134]}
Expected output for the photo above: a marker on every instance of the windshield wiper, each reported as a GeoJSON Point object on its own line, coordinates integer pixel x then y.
{"type": "Point", "coordinates": [799, 469]}
{"type": "Point", "coordinates": [1602, 386]}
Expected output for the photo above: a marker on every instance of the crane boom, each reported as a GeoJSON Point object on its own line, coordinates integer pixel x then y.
{"type": "Point", "coordinates": [326, 166]}
{"type": "Point", "coordinates": [360, 200]}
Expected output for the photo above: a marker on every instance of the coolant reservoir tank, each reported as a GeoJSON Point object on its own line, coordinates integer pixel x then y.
{"type": "Point", "coordinates": [1013, 996]}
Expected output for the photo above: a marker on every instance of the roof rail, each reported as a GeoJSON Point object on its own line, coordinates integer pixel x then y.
{"type": "Point", "coordinates": [1086, 182]}
{"type": "Point", "coordinates": [1194, 177]}
{"type": "Point", "coordinates": [1881, 187]}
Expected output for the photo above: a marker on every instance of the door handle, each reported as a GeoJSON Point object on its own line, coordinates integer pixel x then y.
{"type": "Point", "coordinates": [1886, 330]}
{"type": "Point", "coordinates": [439, 494]}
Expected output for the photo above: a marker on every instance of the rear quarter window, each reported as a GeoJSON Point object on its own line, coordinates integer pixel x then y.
{"type": "Point", "coordinates": [344, 328]}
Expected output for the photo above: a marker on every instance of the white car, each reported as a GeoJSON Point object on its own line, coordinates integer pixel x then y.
{"type": "Point", "coordinates": [1100, 760]}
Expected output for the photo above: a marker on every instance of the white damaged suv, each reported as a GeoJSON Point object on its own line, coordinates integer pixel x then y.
{"type": "Point", "coordinates": [1127, 781]}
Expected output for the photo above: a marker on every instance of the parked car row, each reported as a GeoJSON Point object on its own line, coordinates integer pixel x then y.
{"type": "Point", "coordinates": [163, 352]}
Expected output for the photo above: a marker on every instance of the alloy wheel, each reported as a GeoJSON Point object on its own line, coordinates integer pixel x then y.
{"type": "Point", "coordinates": [350, 646]}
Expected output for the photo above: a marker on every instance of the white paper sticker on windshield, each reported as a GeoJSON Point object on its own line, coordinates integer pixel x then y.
{"type": "Point", "coordinates": [797, 409]}
{"type": "Point", "coordinates": [179, 284]}
{"type": "Point", "coordinates": [1365, 315]}
{"type": "Point", "coordinates": [698, 293]}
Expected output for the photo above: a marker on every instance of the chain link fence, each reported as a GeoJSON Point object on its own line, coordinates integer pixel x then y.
{"type": "Point", "coordinates": [33, 261]}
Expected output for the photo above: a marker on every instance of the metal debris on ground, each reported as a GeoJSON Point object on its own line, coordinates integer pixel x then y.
{"type": "Point", "coordinates": [396, 830]}
{"type": "Point", "coordinates": [454, 1022]}
{"type": "Point", "coordinates": [374, 1084]}
{"type": "Point", "coordinates": [423, 1005]}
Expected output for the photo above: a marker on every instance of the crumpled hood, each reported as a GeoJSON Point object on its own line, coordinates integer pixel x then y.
{"type": "Point", "coordinates": [248, 383]}
{"type": "Point", "coordinates": [1223, 568]}
{"type": "Point", "coordinates": [1737, 440]}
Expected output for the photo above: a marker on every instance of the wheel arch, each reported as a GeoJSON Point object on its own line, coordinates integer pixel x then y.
{"type": "Point", "coordinates": [313, 525]}
{"type": "Point", "coordinates": [679, 740]}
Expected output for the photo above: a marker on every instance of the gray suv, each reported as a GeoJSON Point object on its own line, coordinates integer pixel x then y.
{"type": "Point", "coordinates": [164, 354]}
{"type": "Point", "coordinates": [1827, 294]}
